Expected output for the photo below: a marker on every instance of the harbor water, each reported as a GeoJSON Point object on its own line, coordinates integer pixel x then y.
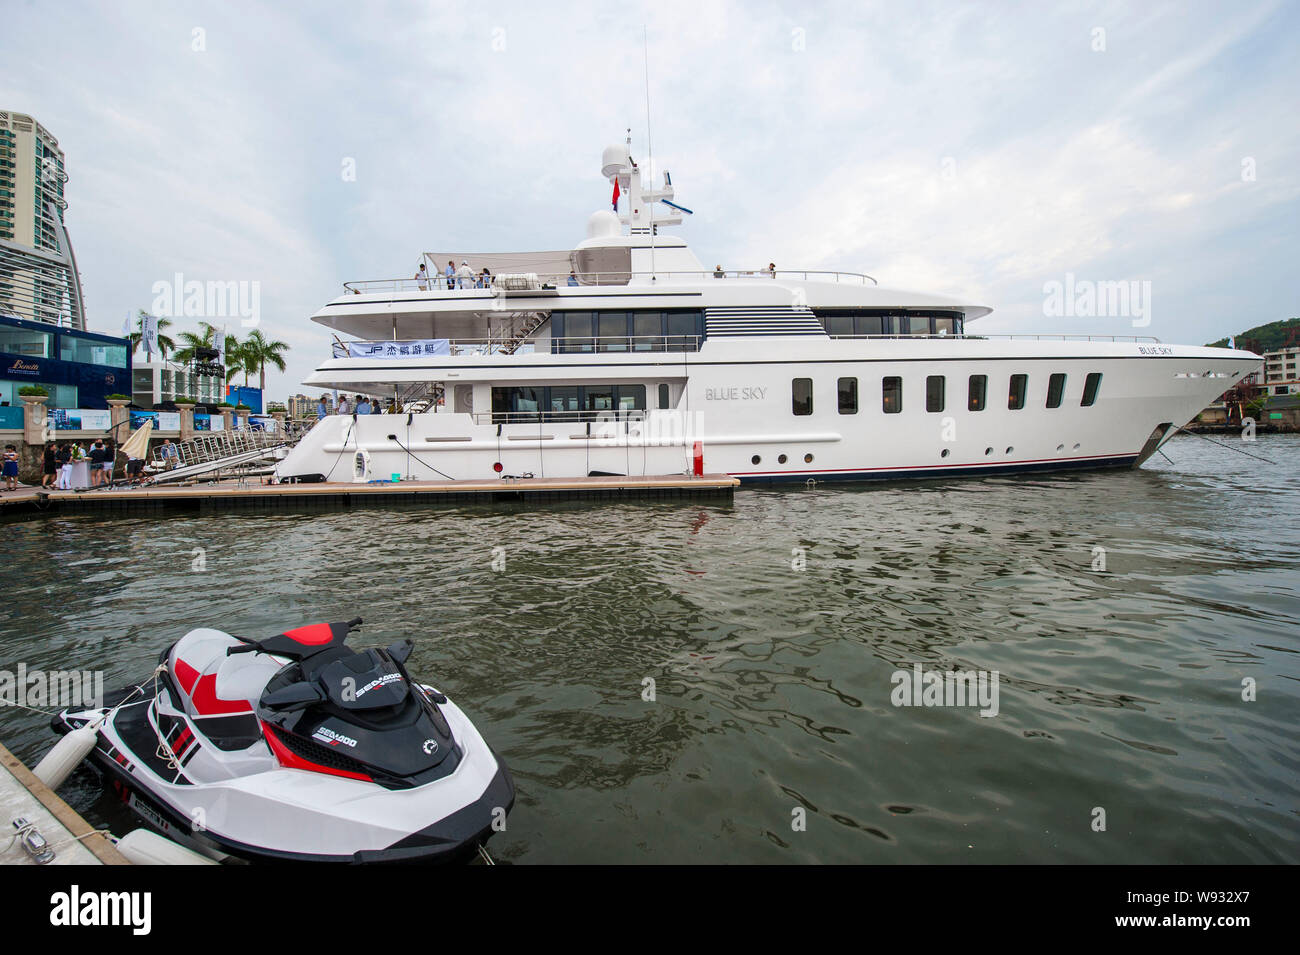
{"type": "Point", "coordinates": [716, 683]}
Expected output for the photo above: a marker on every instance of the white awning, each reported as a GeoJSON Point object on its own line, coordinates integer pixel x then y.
{"type": "Point", "coordinates": [547, 265]}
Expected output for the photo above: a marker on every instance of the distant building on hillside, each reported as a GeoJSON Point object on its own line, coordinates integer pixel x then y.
{"type": "Point", "coordinates": [1279, 376]}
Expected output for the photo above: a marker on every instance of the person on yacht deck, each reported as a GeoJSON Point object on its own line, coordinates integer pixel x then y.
{"type": "Point", "coordinates": [363, 404]}
{"type": "Point", "coordinates": [422, 278]}
{"type": "Point", "coordinates": [573, 279]}
{"type": "Point", "coordinates": [466, 275]}
{"type": "Point", "coordinates": [718, 273]}
{"type": "Point", "coordinates": [484, 279]}
{"type": "Point", "coordinates": [345, 406]}
{"type": "Point", "coordinates": [450, 272]}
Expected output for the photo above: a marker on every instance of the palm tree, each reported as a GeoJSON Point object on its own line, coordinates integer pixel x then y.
{"type": "Point", "coordinates": [237, 359]}
{"type": "Point", "coordinates": [165, 344]}
{"type": "Point", "coordinates": [259, 352]}
{"type": "Point", "coordinates": [193, 343]}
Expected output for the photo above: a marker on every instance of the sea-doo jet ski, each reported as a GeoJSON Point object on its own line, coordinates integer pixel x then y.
{"type": "Point", "coordinates": [298, 748]}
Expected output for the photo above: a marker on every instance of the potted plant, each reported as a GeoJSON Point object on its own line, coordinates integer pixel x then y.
{"type": "Point", "coordinates": [34, 391]}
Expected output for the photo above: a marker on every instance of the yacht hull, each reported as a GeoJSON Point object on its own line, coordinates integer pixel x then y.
{"type": "Point", "coordinates": [914, 409]}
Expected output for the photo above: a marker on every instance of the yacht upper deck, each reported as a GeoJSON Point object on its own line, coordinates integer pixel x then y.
{"type": "Point", "coordinates": [624, 269]}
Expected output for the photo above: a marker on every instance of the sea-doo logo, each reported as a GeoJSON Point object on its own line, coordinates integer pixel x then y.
{"type": "Point", "coordinates": [327, 735]}
{"type": "Point", "coordinates": [430, 746]}
{"type": "Point", "coordinates": [384, 680]}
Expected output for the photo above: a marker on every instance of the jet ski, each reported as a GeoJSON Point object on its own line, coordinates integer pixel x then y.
{"type": "Point", "coordinates": [298, 748]}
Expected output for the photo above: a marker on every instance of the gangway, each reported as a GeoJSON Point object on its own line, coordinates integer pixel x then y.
{"type": "Point", "coordinates": [215, 451]}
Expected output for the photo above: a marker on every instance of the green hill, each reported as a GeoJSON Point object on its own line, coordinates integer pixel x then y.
{"type": "Point", "coordinates": [1264, 338]}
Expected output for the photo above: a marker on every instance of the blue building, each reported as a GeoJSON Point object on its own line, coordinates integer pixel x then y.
{"type": "Point", "coordinates": [79, 369]}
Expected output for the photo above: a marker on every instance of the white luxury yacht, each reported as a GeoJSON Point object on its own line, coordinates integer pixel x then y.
{"type": "Point", "coordinates": [626, 356]}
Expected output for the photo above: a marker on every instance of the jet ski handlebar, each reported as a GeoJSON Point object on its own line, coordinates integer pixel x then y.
{"type": "Point", "coordinates": [301, 642]}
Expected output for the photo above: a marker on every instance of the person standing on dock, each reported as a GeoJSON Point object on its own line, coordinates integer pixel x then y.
{"type": "Point", "coordinates": [110, 454]}
{"type": "Point", "coordinates": [96, 458]}
{"type": "Point", "coordinates": [49, 470]}
{"type": "Point", "coordinates": [168, 454]}
{"type": "Point", "coordinates": [11, 467]}
{"type": "Point", "coordinates": [63, 458]}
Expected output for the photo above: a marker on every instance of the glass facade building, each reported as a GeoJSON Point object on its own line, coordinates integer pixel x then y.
{"type": "Point", "coordinates": [79, 369]}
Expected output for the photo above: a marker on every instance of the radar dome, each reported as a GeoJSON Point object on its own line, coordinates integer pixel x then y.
{"type": "Point", "coordinates": [603, 223]}
{"type": "Point", "coordinates": [614, 159]}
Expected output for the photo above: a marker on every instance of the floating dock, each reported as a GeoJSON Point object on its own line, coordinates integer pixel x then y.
{"type": "Point", "coordinates": [74, 841]}
{"type": "Point", "coordinates": [231, 495]}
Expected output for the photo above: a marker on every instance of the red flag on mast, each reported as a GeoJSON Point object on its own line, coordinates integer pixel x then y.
{"type": "Point", "coordinates": [616, 194]}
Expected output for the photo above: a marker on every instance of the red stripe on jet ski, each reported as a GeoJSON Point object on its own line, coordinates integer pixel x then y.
{"type": "Point", "coordinates": [290, 760]}
{"type": "Point", "coordinates": [312, 635]}
{"type": "Point", "coordinates": [186, 674]}
{"type": "Point", "coordinates": [207, 703]}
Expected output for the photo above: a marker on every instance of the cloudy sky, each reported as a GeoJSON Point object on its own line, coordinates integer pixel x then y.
{"type": "Point", "coordinates": [977, 150]}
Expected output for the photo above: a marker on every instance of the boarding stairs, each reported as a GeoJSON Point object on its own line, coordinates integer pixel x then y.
{"type": "Point", "coordinates": [532, 321]}
{"type": "Point", "coordinates": [211, 453]}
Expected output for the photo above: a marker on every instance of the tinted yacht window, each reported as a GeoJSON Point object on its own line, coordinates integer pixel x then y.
{"type": "Point", "coordinates": [934, 388]}
{"type": "Point", "coordinates": [891, 395]}
{"type": "Point", "coordinates": [1055, 389]}
{"type": "Point", "coordinates": [801, 396]}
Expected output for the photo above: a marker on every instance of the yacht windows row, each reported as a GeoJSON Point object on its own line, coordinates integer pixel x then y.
{"type": "Point", "coordinates": [858, 322]}
{"type": "Point", "coordinates": [936, 387]}
{"type": "Point", "coordinates": [532, 403]}
{"type": "Point", "coordinates": [624, 331]}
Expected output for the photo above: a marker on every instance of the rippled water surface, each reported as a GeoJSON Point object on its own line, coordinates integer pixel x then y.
{"type": "Point", "coordinates": [1119, 689]}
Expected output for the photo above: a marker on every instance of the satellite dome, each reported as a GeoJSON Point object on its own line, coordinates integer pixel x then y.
{"type": "Point", "coordinates": [603, 223]}
{"type": "Point", "coordinates": [613, 160]}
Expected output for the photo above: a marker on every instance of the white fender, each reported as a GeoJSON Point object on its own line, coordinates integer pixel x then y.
{"type": "Point", "coordinates": [142, 847]}
{"type": "Point", "coordinates": [66, 756]}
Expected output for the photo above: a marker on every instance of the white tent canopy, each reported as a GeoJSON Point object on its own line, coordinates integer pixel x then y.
{"type": "Point", "coordinates": [548, 265]}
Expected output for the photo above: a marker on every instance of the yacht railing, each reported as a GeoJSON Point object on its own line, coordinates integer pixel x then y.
{"type": "Point", "coordinates": [559, 417]}
{"type": "Point", "coordinates": [568, 345]}
{"type": "Point", "coordinates": [1049, 337]}
{"type": "Point", "coordinates": [553, 280]}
